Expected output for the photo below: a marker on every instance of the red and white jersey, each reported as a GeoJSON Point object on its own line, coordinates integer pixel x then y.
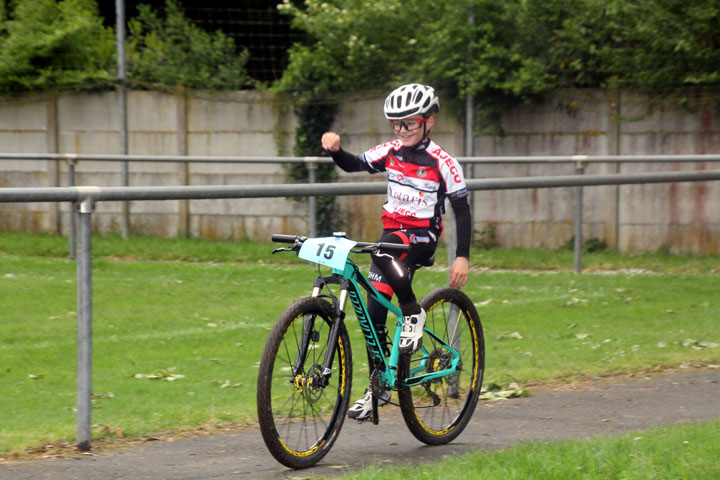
{"type": "Point", "coordinates": [419, 179]}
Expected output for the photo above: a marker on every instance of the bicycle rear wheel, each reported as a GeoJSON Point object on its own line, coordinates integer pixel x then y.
{"type": "Point", "coordinates": [299, 418]}
{"type": "Point", "coordinates": [436, 411]}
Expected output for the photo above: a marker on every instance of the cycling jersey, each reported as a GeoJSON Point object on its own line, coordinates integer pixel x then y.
{"type": "Point", "coordinates": [419, 179]}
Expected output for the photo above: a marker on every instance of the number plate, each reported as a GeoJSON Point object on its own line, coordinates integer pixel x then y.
{"type": "Point", "coordinates": [328, 251]}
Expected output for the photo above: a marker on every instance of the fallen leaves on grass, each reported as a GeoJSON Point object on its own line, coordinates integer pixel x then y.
{"type": "Point", "coordinates": [495, 392]}
{"type": "Point", "coordinates": [160, 374]}
{"type": "Point", "coordinates": [506, 336]}
{"type": "Point", "coordinates": [576, 301]}
{"type": "Point", "coordinates": [227, 384]}
{"type": "Point", "coordinates": [698, 344]}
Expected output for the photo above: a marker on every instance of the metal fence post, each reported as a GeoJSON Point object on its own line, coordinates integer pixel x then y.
{"type": "Point", "coordinates": [122, 109]}
{"type": "Point", "coordinates": [85, 207]}
{"type": "Point", "coordinates": [71, 214]}
{"type": "Point", "coordinates": [580, 161]}
{"type": "Point", "coordinates": [312, 166]}
{"type": "Point", "coordinates": [451, 232]}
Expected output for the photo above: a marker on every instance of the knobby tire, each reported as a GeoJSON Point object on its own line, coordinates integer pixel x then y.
{"type": "Point", "coordinates": [438, 418]}
{"type": "Point", "coordinates": [300, 422]}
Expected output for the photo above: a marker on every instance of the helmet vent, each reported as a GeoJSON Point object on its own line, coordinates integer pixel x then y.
{"type": "Point", "coordinates": [411, 100]}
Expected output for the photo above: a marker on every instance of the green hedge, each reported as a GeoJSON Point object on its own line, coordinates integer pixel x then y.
{"type": "Point", "coordinates": [61, 45]}
{"type": "Point", "coordinates": [503, 52]}
{"type": "Point", "coordinates": [46, 44]}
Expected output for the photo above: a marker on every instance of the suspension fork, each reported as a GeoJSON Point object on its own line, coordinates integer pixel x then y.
{"type": "Point", "coordinates": [310, 334]}
{"type": "Point", "coordinates": [307, 335]}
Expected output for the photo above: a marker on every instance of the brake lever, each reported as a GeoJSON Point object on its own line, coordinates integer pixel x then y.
{"type": "Point", "coordinates": [375, 252]}
{"type": "Point", "coordinates": [295, 246]}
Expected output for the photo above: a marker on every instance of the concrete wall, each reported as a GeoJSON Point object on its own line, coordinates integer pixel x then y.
{"type": "Point", "coordinates": [685, 217]}
{"type": "Point", "coordinates": [230, 124]}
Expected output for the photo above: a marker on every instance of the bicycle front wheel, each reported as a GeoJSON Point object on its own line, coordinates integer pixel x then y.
{"type": "Point", "coordinates": [300, 415]}
{"type": "Point", "coordinates": [437, 410]}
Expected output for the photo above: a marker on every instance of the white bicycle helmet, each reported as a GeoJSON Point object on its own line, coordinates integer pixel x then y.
{"type": "Point", "coordinates": [409, 100]}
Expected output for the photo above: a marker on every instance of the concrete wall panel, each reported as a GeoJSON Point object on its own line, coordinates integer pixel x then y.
{"type": "Point", "coordinates": [681, 217]}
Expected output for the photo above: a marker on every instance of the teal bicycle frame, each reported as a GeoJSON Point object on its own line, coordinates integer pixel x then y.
{"type": "Point", "coordinates": [351, 279]}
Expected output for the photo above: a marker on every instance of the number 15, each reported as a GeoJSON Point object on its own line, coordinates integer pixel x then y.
{"type": "Point", "coordinates": [329, 251]}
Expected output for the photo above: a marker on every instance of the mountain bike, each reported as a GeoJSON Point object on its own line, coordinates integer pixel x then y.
{"type": "Point", "coordinates": [305, 376]}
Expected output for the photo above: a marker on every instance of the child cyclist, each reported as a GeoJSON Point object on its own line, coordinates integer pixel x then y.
{"type": "Point", "coordinates": [421, 175]}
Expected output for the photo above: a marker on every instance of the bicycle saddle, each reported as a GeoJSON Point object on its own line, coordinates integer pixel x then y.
{"type": "Point", "coordinates": [428, 262]}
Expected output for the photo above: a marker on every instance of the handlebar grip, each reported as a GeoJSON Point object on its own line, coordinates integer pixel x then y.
{"type": "Point", "coordinates": [281, 238]}
{"type": "Point", "coordinates": [398, 247]}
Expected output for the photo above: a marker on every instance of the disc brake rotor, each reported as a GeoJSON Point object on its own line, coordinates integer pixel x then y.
{"type": "Point", "coordinates": [437, 361]}
{"type": "Point", "coordinates": [311, 384]}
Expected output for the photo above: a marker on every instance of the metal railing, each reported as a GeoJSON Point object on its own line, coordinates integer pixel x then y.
{"type": "Point", "coordinates": [76, 157]}
{"type": "Point", "coordinates": [578, 161]}
{"type": "Point", "coordinates": [84, 199]}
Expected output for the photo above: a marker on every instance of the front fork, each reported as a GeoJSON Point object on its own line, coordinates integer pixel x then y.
{"type": "Point", "coordinates": [309, 334]}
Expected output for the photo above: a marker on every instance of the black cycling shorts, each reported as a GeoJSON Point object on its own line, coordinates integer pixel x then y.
{"type": "Point", "coordinates": [385, 278]}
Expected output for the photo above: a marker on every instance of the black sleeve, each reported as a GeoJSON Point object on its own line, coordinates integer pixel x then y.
{"type": "Point", "coordinates": [463, 225]}
{"type": "Point", "coordinates": [347, 161]}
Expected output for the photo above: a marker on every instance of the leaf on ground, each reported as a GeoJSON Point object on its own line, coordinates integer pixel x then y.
{"type": "Point", "coordinates": [101, 396]}
{"type": "Point", "coordinates": [227, 383]}
{"type": "Point", "coordinates": [576, 301]}
{"type": "Point", "coordinates": [497, 392]}
{"type": "Point", "coordinates": [506, 335]}
{"type": "Point", "coordinates": [698, 344]}
{"type": "Point", "coordinates": [160, 375]}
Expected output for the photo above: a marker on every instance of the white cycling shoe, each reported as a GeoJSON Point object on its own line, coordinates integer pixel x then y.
{"type": "Point", "coordinates": [362, 409]}
{"type": "Point", "coordinates": [412, 330]}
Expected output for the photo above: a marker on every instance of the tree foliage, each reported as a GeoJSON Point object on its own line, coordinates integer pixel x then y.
{"type": "Point", "coordinates": [63, 44]}
{"type": "Point", "coordinates": [503, 52]}
{"type": "Point", "coordinates": [54, 44]}
{"type": "Point", "coordinates": [352, 44]}
{"type": "Point", "coordinates": [313, 120]}
{"type": "Point", "coordinates": [170, 50]}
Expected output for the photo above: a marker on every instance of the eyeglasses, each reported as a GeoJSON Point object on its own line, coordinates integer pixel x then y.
{"type": "Point", "coordinates": [410, 124]}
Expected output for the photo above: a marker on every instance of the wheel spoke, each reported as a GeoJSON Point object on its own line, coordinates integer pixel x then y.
{"type": "Point", "coordinates": [300, 419]}
{"type": "Point", "coordinates": [453, 319]}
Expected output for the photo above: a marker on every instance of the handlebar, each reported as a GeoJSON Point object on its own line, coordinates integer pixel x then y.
{"type": "Point", "coordinates": [398, 247]}
{"type": "Point", "coordinates": [365, 247]}
{"type": "Point", "coordinates": [281, 238]}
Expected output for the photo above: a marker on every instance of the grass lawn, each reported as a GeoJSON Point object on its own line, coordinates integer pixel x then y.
{"type": "Point", "coordinates": [195, 315]}
{"type": "Point", "coordinates": [689, 451]}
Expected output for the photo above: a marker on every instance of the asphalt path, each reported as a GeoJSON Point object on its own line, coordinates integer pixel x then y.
{"type": "Point", "coordinates": [572, 411]}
